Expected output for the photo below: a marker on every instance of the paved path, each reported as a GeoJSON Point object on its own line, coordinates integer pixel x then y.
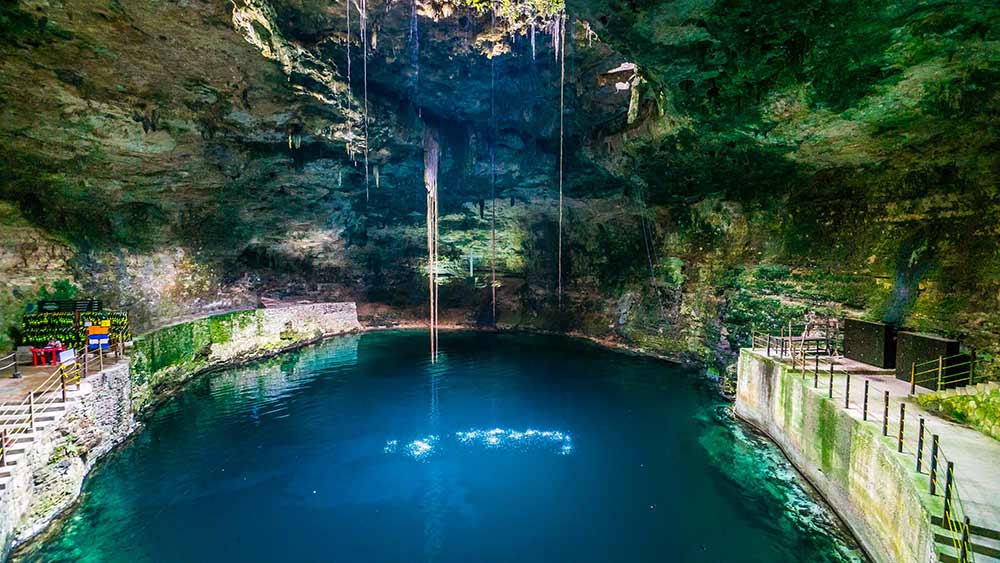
{"type": "Point", "coordinates": [975, 455]}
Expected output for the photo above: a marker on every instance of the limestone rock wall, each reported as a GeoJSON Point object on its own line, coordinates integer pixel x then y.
{"type": "Point", "coordinates": [164, 359]}
{"type": "Point", "coordinates": [853, 467]}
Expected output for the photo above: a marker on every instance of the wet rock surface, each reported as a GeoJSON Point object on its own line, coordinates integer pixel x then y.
{"type": "Point", "coordinates": [727, 163]}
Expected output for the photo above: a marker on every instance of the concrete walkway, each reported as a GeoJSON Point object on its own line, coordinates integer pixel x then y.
{"type": "Point", "coordinates": [975, 455]}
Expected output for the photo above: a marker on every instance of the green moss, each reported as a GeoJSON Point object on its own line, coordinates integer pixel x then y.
{"type": "Point", "coordinates": [826, 434]}
{"type": "Point", "coordinates": [979, 410]}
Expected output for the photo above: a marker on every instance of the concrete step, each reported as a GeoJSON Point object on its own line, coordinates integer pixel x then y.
{"type": "Point", "coordinates": [22, 419]}
{"type": "Point", "coordinates": [984, 543]}
{"type": "Point", "coordinates": [20, 410]}
{"type": "Point", "coordinates": [979, 546]}
{"type": "Point", "coordinates": [974, 530]}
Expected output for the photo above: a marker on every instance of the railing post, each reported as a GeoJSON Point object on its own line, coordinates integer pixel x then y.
{"type": "Point", "coordinates": [934, 463]}
{"type": "Point", "coordinates": [972, 366]}
{"type": "Point", "coordinates": [830, 390]}
{"type": "Point", "coordinates": [902, 422]}
{"type": "Point", "coordinates": [847, 391]}
{"type": "Point", "coordinates": [816, 380]}
{"type": "Point", "coordinates": [3, 448]}
{"type": "Point", "coordinates": [965, 540]}
{"type": "Point", "coordinates": [62, 374]}
{"type": "Point", "coordinates": [31, 410]}
{"type": "Point", "coordinates": [100, 354]}
{"type": "Point", "coordinates": [885, 415]}
{"type": "Point", "coordinates": [949, 478]}
{"type": "Point", "coordinates": [920, 445]}
{"type": "Point", "coordinates": [769, 345]}
{"type": "Point", "coordinates": [913, 378]}
{"type": "Point", "coordinates": [940, 371]}
{"type": "Point", "coordinates": [782, 342]}
{"type": "Point", "coordinates": [864, 408]}
{"type": "Point", "coordinates": [816, 368]}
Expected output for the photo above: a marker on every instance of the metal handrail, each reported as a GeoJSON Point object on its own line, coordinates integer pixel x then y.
{"type": "Point", "coordinates": [935, 360]}
{"type": "Point", "coordinates": [955, 519]}
{"type": "Point", "coordinates": [944, 374]}
{"type": "Point", "coordinates": [23, 412]}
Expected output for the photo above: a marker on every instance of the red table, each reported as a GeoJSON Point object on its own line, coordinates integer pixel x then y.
{"type": "Point", "coordinates": [39, 355]}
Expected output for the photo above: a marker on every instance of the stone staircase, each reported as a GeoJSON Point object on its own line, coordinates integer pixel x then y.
{"type": "Point", "coordinates": [984, 544]}
{"type": "Point", "coordinates": [21, 437]}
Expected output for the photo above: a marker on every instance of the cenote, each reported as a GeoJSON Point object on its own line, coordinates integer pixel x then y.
{"type": "Point", "coordinates": [512, 447]}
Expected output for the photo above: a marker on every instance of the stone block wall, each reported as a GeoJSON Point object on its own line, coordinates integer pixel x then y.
{"type": "Point", "coordinates": [48, 479]}
{"type": "Point", "coordinates": [849, 462]}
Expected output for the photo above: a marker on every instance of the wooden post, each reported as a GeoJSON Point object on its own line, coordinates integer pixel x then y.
{"type": "Point", "coordinates": [913, 378]}
{"type": "Point", "coordinates": [100, 354]}
{"type": "Point", "coordinates": [62, 377]}
{"type": "Point", "coordinates": [920, 445]}
{"type": "Point", "coordinates": [830, 391]}
{"type": "Point", "coordinates": [3, 448]}
{"type": "Point", "coordinates": [902, 422]}
{"type": "Point", "coordinates": [83, 358]}
{"type": "Point", "coordinates": [934, 463]}
{"type": "Point", "coordinates": [31, 410]}
{"type": "Point", "coordinates": [768, 345]}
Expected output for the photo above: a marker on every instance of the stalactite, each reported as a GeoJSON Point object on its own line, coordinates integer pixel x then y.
{"type": "Point", "coordinates": [532, 35]}
{"type": "Point", "coordinates": [562, 83]}
{"type": "Point", "coordinates": [415, 50]}
{"type": "Point", "coordinates": [432, 153]}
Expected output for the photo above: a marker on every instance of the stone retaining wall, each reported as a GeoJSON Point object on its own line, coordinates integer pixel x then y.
{"type": "Point", "coordinates": [848, 461]}
{"type": "Point", "coordinates": [48, 479]}
{"type": "Point", "coordinates": [164, 359]}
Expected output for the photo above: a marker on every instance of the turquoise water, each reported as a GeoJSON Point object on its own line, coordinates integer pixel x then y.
{"type": "Point", "coordinates": [511, 448]}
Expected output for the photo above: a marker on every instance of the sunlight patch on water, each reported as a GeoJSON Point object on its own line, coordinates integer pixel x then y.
{"type": "Point", "coordinates": [497, 438]}
{"type": "Point", "coordinates": [500, 438]}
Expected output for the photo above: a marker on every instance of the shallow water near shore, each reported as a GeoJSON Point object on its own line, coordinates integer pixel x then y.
{"type": "Point", "coordinates": [512, 447]}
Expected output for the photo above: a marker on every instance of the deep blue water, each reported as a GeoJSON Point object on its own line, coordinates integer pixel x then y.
{"type": "Point", "coordinates": [514, 448]}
